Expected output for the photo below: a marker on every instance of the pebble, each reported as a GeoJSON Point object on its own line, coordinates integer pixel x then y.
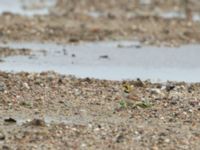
{"type": "Point", "coordinates": [169, 87]}
{"type": "Point", "coordinates": [119, 138]}
{"type": "Point", "coordinates": [190, 110]}
{"type": "Point", "coordinates": [2, 136]}
{"type": "Point", "coordinates": [173, 102]}
{"type": "Point", "coordinates": [2, 87]}
{"type": "Point", "coordinates": [167, 140]}
{"type": "Point", "coordinates": [83, 145]}
{"type": "Point", "coordinates": [5, 147]}
{"type": "Point", "coordinates": [73, 55]}
{"type": "Point", "coordinates": [155, 91]}
{"type": "Point", "coordinates": [10, 120]}
{"type": "Point", "coordinates": [104, 57]}
{"type": "Point", "coordinates": [157, 94]}
{"type": "Point", "coordinates": [26, 85]}
{"type": "Point", "coordinates": [194, 103]}
{"type": "Point", "coordinates": [174, 97]}
{"type": "Point", "coordinates": [36, 122]}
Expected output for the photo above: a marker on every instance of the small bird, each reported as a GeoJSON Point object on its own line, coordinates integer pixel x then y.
{"type": "Point", "coordinates": [130, 93]}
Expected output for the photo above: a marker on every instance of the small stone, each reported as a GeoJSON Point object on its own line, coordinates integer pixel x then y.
{"type": "Point", "coordinates": [2, 136]}
{"type": "Point", "coordinates": [139, 83]}
{"type": "Point", "coordinates": [2, 87]}
{"type": "Point", "coordinates": [190, 110]}
{"type": "Point", "coordinates": [194, 103]}
{"type": "Point", "coordinates": [65, 52]}
{"type": "Point", "coordinates": [185, 113]}
{"type": "Point", "coordinates": [73, 55]}
{"type": "Point", "coordinates": [96, 129]}
{"type": "Point", "coordinates": [36, 122]}
{"type": "Point", "coordinates": [90, 126]}
{"type": "Point", "coordinates": [83, 145]}
{"type": "Point", "coordinates": [162, 118]}
{"type": "Point", "coordinates": [173, 102]}
{"type": "Point", "coordinates": [26, 85]}
{"type": "Point", "coordinates": [5, 147]}
{"type": "Point", "coordinates": [119, 138]}
{"type": "Point", "coordinates": [155, 91]}
{"type": "Point", "coordinates": [138, 46]}
{"type": "Point", "coordinates": [10, 120]}
{"type": "Point", "coordinates": [73, 40]}
{"type": "Point", "coordinates": [167, 140]}
{"type": "Point", "coordinates": [104, 57]}
{"type": "Point", "coordinates": [174, 98]}
{"type": "Point", "coordinates": [155, 148]}
{"type": "Point", "coordinates": [169, 87]}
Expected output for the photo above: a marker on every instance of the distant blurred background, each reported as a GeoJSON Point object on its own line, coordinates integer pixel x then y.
{"type": "Point", "coordinates": [149, 21]}
{"type": "Point", "coordinates": [113, 8]}
{"type": "Point", "coordinates": [129, 8]}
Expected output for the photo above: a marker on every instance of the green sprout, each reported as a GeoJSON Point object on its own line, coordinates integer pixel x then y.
{"type": "Point", "coordinates": [144, 104]}
{"type": "Point", "coordinates": [123, 104]}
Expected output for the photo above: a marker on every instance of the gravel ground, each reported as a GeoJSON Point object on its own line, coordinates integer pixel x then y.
{"type": "Point", "coordinates": [48, 110]}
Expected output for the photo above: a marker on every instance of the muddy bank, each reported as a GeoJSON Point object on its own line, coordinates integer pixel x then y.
{"type": "Point", "coordinates": [5, 52]}
{"type": "Point", "coordinates": [49, 110]}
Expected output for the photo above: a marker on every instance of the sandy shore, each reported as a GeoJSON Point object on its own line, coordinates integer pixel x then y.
{"type": "Point", "coordinates": [53, 111]}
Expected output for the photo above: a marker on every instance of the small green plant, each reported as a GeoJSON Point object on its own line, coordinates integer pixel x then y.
{"type": "Point", "coordinates": [144, 104]}
{"type": "Point", "coordinates": [123, 104]}
{"type": "Point", "coordinates": [26, 104]}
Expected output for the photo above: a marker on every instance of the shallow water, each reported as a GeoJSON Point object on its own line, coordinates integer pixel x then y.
{"type": "Point", "coordinates": [179, 15]}
{"type": "Point", "coordinates": [26, 7]}
{"type": "Point", "coordinates": [78, 120]}
{"type": "Point", "coordinates": [109, 60]}
{"type": "Point", "coordinates": [165, 15]}
{"type": "Point", "coordinates": [61, 119]}
{"type": "Point", "coordinates": [172, 14]}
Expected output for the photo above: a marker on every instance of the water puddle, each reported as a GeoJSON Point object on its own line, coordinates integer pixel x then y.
{"type": "Point", "coordinates": [165, 15]}
{"type": "Point", "coordinates": [96, 14]}
{"type": "Point", "coordinates": [109, 60]}
{"type": "Point", "coordinates": [60, 119]}
{"type": "Point", "coordinates": [70, 120]}
{"type": "Point", "coordinates": [145, 2]}
{"type": "Point", "coordinates": [196, 17]}
{"type": "Point", "coordinates": [26, 7]}
{"type": "Point", "coordinates": [172, 14]}
{"type": "Point", "coordinates": [179, 15]}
